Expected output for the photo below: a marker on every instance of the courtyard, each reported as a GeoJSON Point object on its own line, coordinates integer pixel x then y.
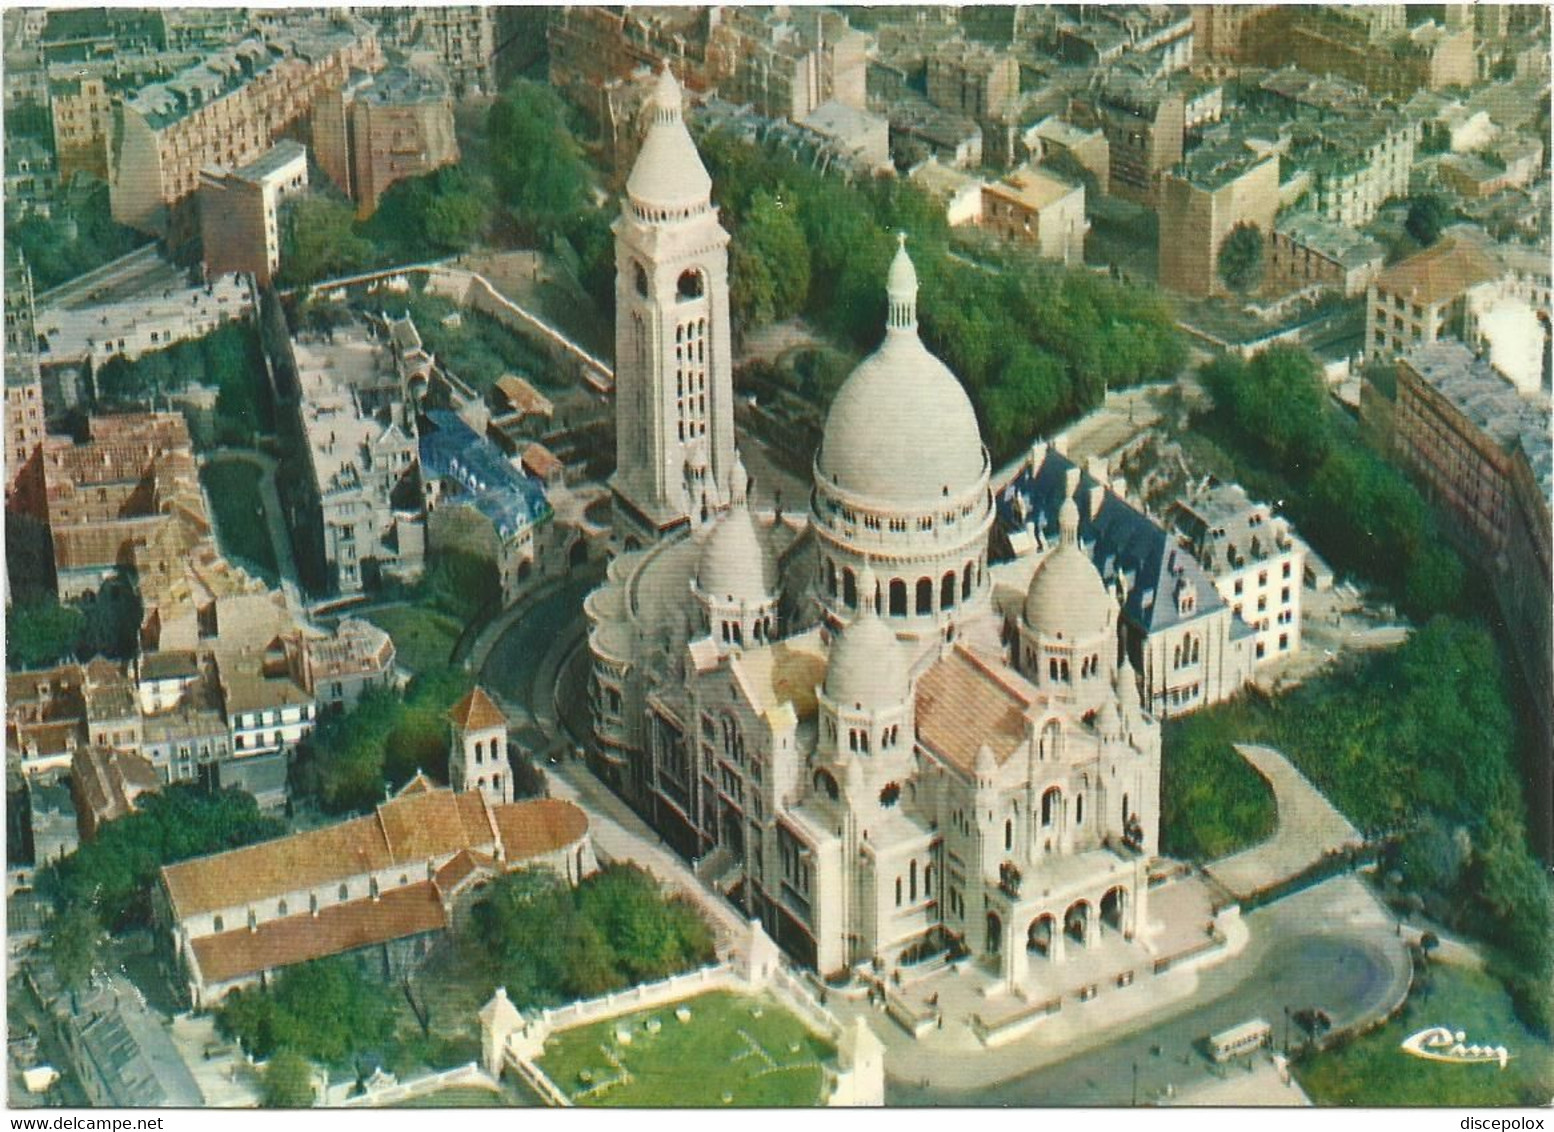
{"type": "Point", "coordinates": [714, 1049]}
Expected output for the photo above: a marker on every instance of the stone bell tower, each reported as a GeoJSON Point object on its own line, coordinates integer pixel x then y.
{"type": "Point", "coordinates": [674, 425]}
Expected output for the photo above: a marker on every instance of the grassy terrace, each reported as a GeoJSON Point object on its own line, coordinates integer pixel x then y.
{"type": "Point", "coordinates": [1374, 1070]}
{"type": "Point", "coordinates": [423, 638]}
{"type": "Point", "coordinates": [242, 527]}
{"type": "Point", "coordinates": [732, 1049]}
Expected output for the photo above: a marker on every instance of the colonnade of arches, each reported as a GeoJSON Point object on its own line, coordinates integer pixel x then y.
{"type": "Point", "coordinates": [1082, 924]}
{"type": "Point", "coordinates": [906, 597]}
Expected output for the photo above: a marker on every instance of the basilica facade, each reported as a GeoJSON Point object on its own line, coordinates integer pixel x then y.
{"type": "Point", "coordinates": [862, 731]}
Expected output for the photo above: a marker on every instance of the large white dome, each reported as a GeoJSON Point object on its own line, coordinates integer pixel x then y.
{"type": "Point", "coordinates": [902, 432]}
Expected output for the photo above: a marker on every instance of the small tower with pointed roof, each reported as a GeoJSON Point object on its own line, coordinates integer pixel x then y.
{"type": "Point", "coordinates": [477, 759]}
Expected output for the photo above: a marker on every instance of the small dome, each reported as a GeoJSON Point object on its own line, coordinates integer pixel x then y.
{"type": "Point", "coordinates": [668, 173]}
{"type": "Point", "coordinates": [902, 280]}
{"type": "Point", "coordinates": [867, 666]}
{"type": "Point", "coordinates": [734, 565]}
{"type": "Point", "coordinates": [1067, 598]}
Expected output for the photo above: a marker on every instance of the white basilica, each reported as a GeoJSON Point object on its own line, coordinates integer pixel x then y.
{"type": "Point", "coordinates": [849, 719]}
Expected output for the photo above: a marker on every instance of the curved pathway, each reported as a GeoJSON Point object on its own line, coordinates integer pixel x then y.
{"type": "Point", "coordinates": [1309, 828]}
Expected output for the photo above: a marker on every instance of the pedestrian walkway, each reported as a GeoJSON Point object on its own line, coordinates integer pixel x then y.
{"type": "Point", "coordinates": [1309, 828]}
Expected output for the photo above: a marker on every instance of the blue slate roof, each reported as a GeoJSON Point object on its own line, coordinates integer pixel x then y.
{"type": "Point", "coordinates": [1125, 544]}
{"type": "Point", "coordinates": [451, 450]}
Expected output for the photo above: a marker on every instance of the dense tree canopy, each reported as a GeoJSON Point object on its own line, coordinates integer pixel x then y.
{"type": "Point", "coordinates": [116, 873]}
{"type": "Point", "coordinates": [288, 1081]}
{"type": "Point", "coordinates": [324, 1010]}
{"type": "Point", "coordinates": [229, 358]}
{"type": "Point", "coordinates": [549, 942]}
{"type": "Point", "coordinates": [537, 165]}
{"type": "Point", "coordinates": [320, 240]}
{"type": "Point", "coordinates": [435, 214]}
{"type": "Point", "coordinates": [349, 760]}
{"type": "Point", "coordinates": [1035, 344]}
{"type": "Point", "coordinates": [41, 633]}
{"type": "Point", "coordinates": [1363, 513]}
{"type": "Point", "coordinates": [769, 264]}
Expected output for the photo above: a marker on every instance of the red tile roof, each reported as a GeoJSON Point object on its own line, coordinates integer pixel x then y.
{"type": "Point", "coordinates": [477, 712]}
{"type": "Point", "coordinates": [962, 703]}
{"type": "Point", "coordinates": [398, 913]}
{"type": "Point", "coordinates": [534, 828]}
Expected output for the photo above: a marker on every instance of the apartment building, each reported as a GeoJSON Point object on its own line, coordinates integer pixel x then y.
{"type": "Point", "coordinates": [1054, 138]}
{"type": "Point", "coordinates": [1257, 562]}
{"type": "Point", "coordinates": [375, 130]}
{"type": "Point", "coordinates": [239, 225]}
{"type": "Point", "coordinates": [461, 38]}
{"type": "Point", "coordinates": [1424, 297]}
{"type": "Point", "coordinates": [1144, 123]}
{"type": "Point", "coordinates": [1368, 44]}
{"type": "Point", "coordinates": [1306, 250]}
{"type": "Point", "coordinates": [24, 414]}
{"type": "Point", "coordinates": [1041, 209]}
{"type": "Point", "coordinates": [1459, 424]}
{"type": "Point", "coordinates": [228, 110]}
{"type": "Point", "coordinates": [361, 448]}
{"type": "Point", "coordinates": [1220, 187]}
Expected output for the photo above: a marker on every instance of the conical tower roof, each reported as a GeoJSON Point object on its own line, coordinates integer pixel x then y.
{"type": "Point", "coordinates": [668, 179]}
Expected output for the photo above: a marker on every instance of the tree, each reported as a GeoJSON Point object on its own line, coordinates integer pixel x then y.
{"type": "Point", "coordinates": [321, 240]}
{"type": "Point", "coordinates": [111, 621]}
{"type": "Point", "coordinates": [537, 166]}
{"type": "Point", "coordinates": [770, 262]}
{"type": "Point", "coordinates": [40, 634]}
{"type": "Point", "coordinates": [1241, 258]}
{"type": "Point", "coordinates": [116, 872]}
{"type": "Point", "coordinates": [1428, 213]}
{"type": "Point", "coordinates": [75, 937]}
{"type": "Point", "coordinates": [288, 1081]}
{"type": "Point", "coordinates": [323, 1009]}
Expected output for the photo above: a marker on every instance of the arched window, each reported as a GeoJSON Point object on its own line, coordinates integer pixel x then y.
{"type": "Point", "coordinates": [692, 285]}
{"type": "Point", "coordinates": [898, 598]}
{"type": "Point", "coordinates": [642, 281]}
{"type": "Point", "coordinates": [1008, 834]}
{"type": "Point", "coordinates": [824, 781]}
{"type": "Point", "coordinates": [345, 892]}
{"type": "Point", "coordinates": [898, 892]}
{"type": "Point", "coordinates": [496, 782]}
{"type": "Point", "coordinates": [965, 584]}
{"type": "Point", "coordinates": [927, 880]}
{"type": "Point", "coordinates": [1051, 802]}
{"type": "Point", "coordinates": [1052, 668]}
{"type": "Point", "coordinates": [924, 595]}
{"type": "Point", "coordinates": [1124, 809]}
{"type": "Point", "coordinates": [912, 878]}
{"type": "Point", "coordinates": [216, 924]}
{"type": "Point", "coordinates": [947, 591]}
{"type": "Point", "coordinates": [1196, 642]}
{"type": "Point", "coordinates": [831, 577]}
{"type": "Point", "coordinates": [280, 909]}
{"type": "Point", "coordinates": [1079, 810]}
{"type": "Point", "coordinates": [1176, 657]}
{"type": "Point", "coordinates": [480, 753]}
{"type": "Point", "coordinates": [849, 588]}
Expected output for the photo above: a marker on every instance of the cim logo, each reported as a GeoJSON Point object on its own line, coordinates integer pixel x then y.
{"type": "Point", "coordinates": [1441, 1044]}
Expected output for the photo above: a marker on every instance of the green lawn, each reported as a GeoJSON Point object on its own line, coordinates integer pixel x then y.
{"type": "Point", "coordinates": [1374, 1070]}
{"type": "Point", "coordinates": [733, 1049]}
{"type": "Point", "coordinates": [242, 528]}
{"type": "Point", "coordinates": [459, 1096]}
{"type": "Point", "coordinates": [1212, 803]}
{"type": "Point", "coordinates": [423, 638]}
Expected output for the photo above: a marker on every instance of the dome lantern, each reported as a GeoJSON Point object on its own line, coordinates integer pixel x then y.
{"type": "Point", "coordinates": [901, 289]}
